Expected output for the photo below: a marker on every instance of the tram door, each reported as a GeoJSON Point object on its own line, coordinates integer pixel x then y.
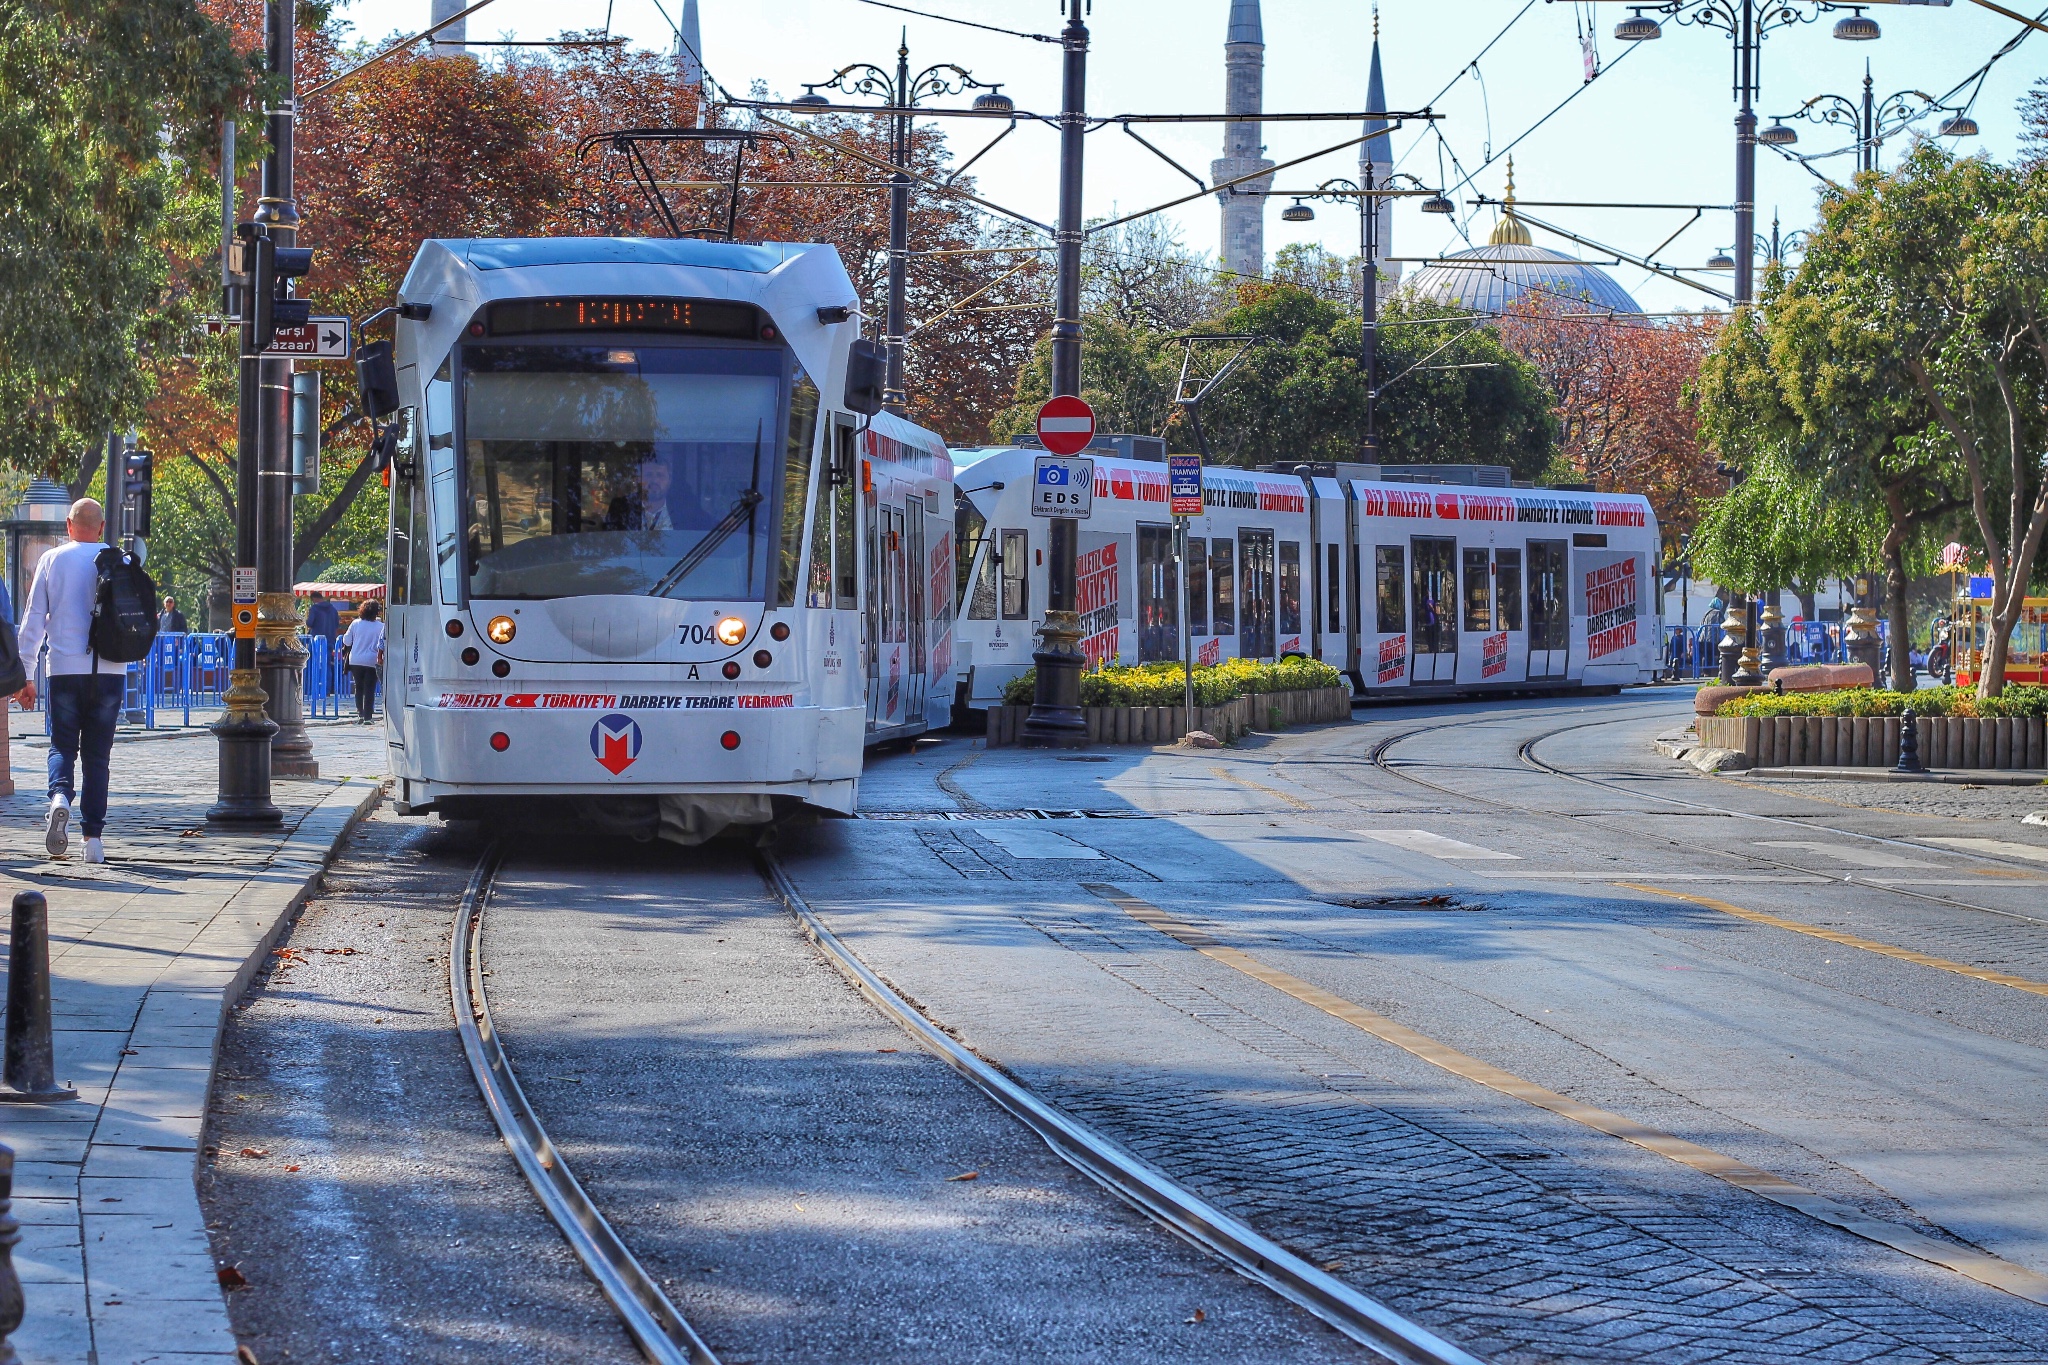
{"type": "Point", "coordinates": [1550, 621]}
{"type": "Point", "coordinates": [916, 594]}
{"type": "Point", "coordinates": [1158, 596]}
{"type": "Point", "coordinates": [1255, 621]}
{"type": "Point", "coordinates": [1433, 620]}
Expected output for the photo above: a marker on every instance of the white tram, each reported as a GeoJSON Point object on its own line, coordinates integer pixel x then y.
{"type": "Point", "coordinates": [1403, 586]}
{"type": "Point", "coordinates": [645, 552]}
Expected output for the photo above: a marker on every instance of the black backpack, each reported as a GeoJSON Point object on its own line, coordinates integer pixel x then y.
{"type": "Point", "coordinates": [124, 612]}
{"type": "Point", "coordinates": [13, 674]}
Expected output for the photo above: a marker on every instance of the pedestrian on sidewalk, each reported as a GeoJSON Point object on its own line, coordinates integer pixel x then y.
{"type": "Point", "coordinates": [171, 621]}
{"type": "Point", "coordinates": [85, 690]}
{"type": "Point", "coordinates": [362, 644]}
{"type": "Point", "coordinates": [323, 621]}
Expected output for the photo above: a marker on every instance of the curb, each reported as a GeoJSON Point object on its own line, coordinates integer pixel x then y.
{"type": "Point", "coordinates": [1971, 777]}
{"type": "Point", "coordinates": [152, 1291]}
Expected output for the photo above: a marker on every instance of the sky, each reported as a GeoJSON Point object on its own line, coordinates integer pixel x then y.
{"type": "Point", "coordinates": [1656, 126]}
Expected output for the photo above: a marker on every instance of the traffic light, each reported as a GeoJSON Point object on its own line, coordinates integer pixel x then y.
{"type": "Point", "coordinates": [270, 269]}
{"type": "Point", "coordinates": [140, 480]}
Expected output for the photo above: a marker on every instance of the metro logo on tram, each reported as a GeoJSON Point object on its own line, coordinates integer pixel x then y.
{"type": "Point", "coordinates": [615, 742]}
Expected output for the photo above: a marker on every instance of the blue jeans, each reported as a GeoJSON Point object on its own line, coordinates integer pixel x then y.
{"type": "Point", "coordinates": [82, 711]}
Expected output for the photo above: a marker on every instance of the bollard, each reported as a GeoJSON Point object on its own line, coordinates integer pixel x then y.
{"type": "Point", "coordinates": [30, 1072]}
{"type": "Point", "coordinates": [12, 1307]}
{"type": "Point", "coordinates": [1909, 744]}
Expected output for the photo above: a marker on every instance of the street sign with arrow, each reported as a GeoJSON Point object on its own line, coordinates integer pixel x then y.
{"type": "Point", "coordinates": [319, 339]}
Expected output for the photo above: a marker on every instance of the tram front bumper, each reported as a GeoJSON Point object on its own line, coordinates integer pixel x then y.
{"type": "Point", "coordinates": [500, 752]}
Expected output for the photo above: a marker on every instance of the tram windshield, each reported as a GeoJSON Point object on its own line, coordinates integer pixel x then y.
{"type": "Point", "coordinates": [628, 469]}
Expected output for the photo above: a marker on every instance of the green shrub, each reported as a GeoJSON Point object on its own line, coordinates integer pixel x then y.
{"type": "Point", "coordinates": [2027, 700]}
{"type": "Point", "coordinates": [1163, 684]}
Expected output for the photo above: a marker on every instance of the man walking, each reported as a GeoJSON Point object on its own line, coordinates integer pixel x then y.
{"type": "Point", "coordinates": [323, 621]}
{"type": "Point", "coordinates": [171, 621]}
{"type": "Point", "coordinates": [85, 690]}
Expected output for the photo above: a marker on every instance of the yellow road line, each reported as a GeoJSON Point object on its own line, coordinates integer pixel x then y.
{"type": "Point", "coordinates": [1229, 776]}
{"type": "Point", "coordinates": [1868, 945]}
{"type": "Point", "coordinates": [1979, 1266]}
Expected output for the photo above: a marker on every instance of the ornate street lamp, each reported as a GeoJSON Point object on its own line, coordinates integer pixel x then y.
{"type": "Point", "coordinates": [1747, 23]}
{"type": "Point", "coordinates": [901, 92]}
{"type": "Point", "coordinates": [1872, 120]}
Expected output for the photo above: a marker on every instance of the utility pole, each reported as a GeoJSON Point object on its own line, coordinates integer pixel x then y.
{"type": "Point", "coordinates": [279, 655]}
{"type": "Point", "coordinates": [1369, 340]}
{"type": "Point", "coordinates": [1055, 720]}
{"type": "Point", "coordinates": [244, 730]}
{"type": "Point", "coordinates": [1746, 54]}
{"type": "Point", "coordinates": [894, 396]}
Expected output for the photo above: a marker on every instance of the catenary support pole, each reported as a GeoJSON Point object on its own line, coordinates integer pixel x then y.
{"type": "Point", "coordinates": [279, 655]}
{"type": "Point", "coordinates": [243, 732]}
{"type": "Point", "coordinates": [896, 325]}
{"type": "Point", "coordinates": [1747, 39]}
{"type": "Point", "coordinates": [31, 1063]}
{"type": "Point", "coordinates": [1055, 720]}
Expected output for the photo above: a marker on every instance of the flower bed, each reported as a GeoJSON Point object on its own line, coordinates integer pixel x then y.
{"type": "Point", "coordinates": [1164, 684]}
{"type": "Point", "coordinates": [1145, 704]}
{"type": "Point", "coordinates": [2022, 701]}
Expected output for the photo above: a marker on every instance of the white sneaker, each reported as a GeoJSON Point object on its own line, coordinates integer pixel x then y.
{"type": "Point", "coordinates": [95, 850]}
{"type": "Point", "coordinates": [57, 833]}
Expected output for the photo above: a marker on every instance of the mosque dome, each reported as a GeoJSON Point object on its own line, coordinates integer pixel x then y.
{"type": "Point", "coordinates": [1486, 279]}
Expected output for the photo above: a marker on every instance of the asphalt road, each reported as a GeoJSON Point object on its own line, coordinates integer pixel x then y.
{"type": "Point", "coordinates": [1535, 924]}
{"type": "Point", "coordinates": [1324, 978]}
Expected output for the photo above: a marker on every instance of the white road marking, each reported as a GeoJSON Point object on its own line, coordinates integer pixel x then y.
{"type": "Point", "coordinates": [1435, 845]}
{"type": "Point", "coordinates": [2004, 848]}
{"type": "Point", "coordinates": [1854, 855]}
{"type": "Point", "coordinates": [1022, 841]}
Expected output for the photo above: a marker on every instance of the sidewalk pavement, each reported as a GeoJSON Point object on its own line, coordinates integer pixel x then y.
{"type": "Point", "coordinates": [147, 954]}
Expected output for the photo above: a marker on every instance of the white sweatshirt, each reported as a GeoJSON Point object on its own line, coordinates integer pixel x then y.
{"type": "Point", "coordinates": [59, 611]}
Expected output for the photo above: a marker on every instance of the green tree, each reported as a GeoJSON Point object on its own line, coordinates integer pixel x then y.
{"type": "Point", "coordinates": [109, 117]}
{"type": "Point", "coordinates": [1924, 296]}
{"type": "Point", "coordinates": [1450, 392]}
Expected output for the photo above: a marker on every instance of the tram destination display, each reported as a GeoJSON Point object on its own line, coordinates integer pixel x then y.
{"type": "Point", "coordinates": [699, 317]}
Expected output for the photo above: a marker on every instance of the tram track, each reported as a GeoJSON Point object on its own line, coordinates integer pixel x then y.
{"type": "Point", "coordinates": [666, 1337]}
{"type": "Point", "coordinates": [1377, 754]}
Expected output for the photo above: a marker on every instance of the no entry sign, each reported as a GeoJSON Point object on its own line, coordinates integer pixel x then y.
{"type": "Point", "coordinates": [1066, 425]}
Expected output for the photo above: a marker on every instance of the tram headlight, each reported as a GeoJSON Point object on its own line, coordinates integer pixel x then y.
{"type": "Point", "coordinates": [501, 630]}
{"type": "Point", "coordinates": [730, 630]}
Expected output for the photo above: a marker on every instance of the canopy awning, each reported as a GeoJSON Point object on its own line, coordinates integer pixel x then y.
{"type": "Point", "coordinates": [342, 592]}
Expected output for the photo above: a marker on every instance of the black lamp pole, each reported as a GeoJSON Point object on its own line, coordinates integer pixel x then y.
{"type": "Point", "coordinates": [1055, 720]}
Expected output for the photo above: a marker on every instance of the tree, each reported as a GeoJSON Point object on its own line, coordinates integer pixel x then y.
{"type": "Point", "coordinates": [1627, 420]}
{"type": "Point", "coordinates": [1935, 279]}
{"type": "Point", "coordinates": [106, 109]}
{"type": "Point", "coordinates": [1450, 391]}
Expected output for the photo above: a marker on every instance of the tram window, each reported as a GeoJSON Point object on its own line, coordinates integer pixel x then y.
{"type": "Point", "coordinates": [818, 588]}
{"type": "Point", "coordinates": [422, 593]}
{"type": "Point", "coordinates": [981, 604]}
{"type": "Point", "coordinates": [1507, 589]}
{"type": "Point", "coordinates": [1478, 589]}
{"type": "Point", "coordinates": [1222, 586]}
{"type": "Point", "coordinates": [1290, 587]}
{"type": "Point", "coordinates": [796, 481]}
{"type": "Point", "coordinates": [655, 471]}
{"type": "Point", "coordinates": [844, 488]}
{"type": "Point", "coordinates": [1016, 576]}
{"type": "Point", "coordinates": [1198, 585]}
{"type": "Point", "coordinates": [451, 534]}
{"type": "Point", "coordinates": [399, 562]}
{"type": "Point", "coordinates": [970, 527]}
{"type": "Point", "coordinates": [1390, 587]}
{"type": "Point", "coordinates": [1333, 591]}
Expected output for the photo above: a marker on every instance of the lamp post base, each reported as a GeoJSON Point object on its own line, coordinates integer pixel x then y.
{"type": "Point", "coordinates": [1056, 721]}
{"type": "Point", "coordinates": [244, 734]}
{"type": "Point", "coordinates": [282, 661]}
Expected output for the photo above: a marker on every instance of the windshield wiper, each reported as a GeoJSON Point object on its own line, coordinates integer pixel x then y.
{"type": "Point", "coordinates": [742, 513]}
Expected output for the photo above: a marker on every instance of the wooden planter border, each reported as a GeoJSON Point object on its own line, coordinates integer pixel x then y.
{"type": "Point", "coordinates": [1166, 724]}
{"type": "Point", "coordinates": [1990, 742]}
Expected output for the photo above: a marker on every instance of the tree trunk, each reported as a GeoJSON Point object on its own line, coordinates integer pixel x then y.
{"type": "Point", "coordinates": [1900, 611]}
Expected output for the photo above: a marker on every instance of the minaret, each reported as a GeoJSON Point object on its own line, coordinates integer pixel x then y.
{"type": "Point", "coordinates": [690, 47]}
{"type": "Point", "coordinates": [1376, 157]}
{"type": "Point", "coordinates": [1244, 80]}
{"type": "Point", "coordinates": [452, 40]}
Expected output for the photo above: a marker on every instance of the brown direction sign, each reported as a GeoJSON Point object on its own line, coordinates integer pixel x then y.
{"type": "Point", "coordinates": [319, 339]}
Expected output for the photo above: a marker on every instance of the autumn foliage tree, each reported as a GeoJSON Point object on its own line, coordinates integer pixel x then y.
{"type": "Point", "coordinates": [421, 146]}
{"type": "Point", "coordinates": [1626, 418]}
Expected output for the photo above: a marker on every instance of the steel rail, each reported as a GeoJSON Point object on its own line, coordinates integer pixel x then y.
{"type": "Point", "coordinates": [1364, 1320]}
{"type": "Point", "coordinates": [655, 1325]}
